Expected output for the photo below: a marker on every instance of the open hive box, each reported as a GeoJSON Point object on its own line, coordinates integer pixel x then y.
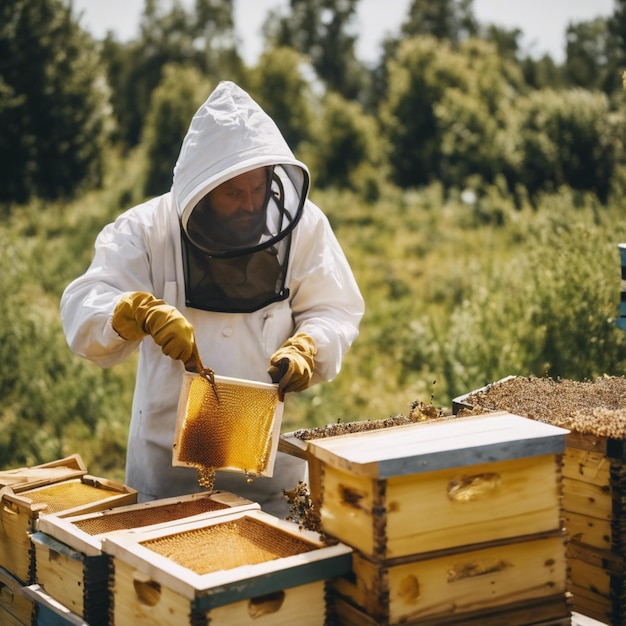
{"type": "Point", "coordinates": [451, 519]}
{"type": "Point", "coordinates": [243, 568]}
{"type": "Point", "coordinates": [21, 512]}
{"type": "Point", "coordinates": [594, 484]}
{"type": "Point", "coordinates": [233, 425]}
{"type": "Point", "coordinates": [70, 564]}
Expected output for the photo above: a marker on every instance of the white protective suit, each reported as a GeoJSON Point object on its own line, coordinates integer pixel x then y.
{"type": "Point", "coordinates": [141, 251]}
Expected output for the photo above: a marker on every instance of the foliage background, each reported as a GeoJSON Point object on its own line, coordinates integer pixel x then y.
{"type": "Point", "coordinates": [478, 194]}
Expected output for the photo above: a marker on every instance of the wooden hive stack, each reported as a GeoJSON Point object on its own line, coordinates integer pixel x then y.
{"type": "Point", "coordinates": [452, 521]}
{"type": "Point", "coordinates": [16, 523]}
{"type": "Point", "coordinates": [242, 568]}
{"type": "Point", "coordinates": [15, 608]}
{"type": "Point", "coordinates": [70, 565]}
{"type": "Point", "coordinates": [594, 470]}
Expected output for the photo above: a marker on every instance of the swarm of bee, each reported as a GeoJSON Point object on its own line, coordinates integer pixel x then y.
{"type": "Point", "coordinates": [591, 407]}
{"type": "Point", "coordinates": [419, 412]}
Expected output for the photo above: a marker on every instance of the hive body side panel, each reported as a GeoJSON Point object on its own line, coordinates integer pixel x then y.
{"type": "Point", "coordinates": [454, 584]}
{"type": "Point", "coordinates": [471, 505]}
{"type": "Point", "coordinates": [304, 605]}
{"type": "Point", "coordinates": [590, 467]}
{"type": "Point", "coordinates": [15, 549]}
{"type": "Point", "coordinates": [13, 605]}
{"type": "Point", "coordinates": [587, 499]}
{"type": "Point", "coordinates": [347, 508]}
{"type": "Point", "coordinates": [61, 576]}
{"type": "Point", "coordinates": [140, 602]}
{"type": "Point", "coordinates": [588, 530]}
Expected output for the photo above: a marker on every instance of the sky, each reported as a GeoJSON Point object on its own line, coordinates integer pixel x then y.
{"type": "Point", "coordinates": [542, 22]}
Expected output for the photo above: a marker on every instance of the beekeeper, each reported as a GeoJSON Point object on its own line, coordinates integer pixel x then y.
{"type": "Point", "coordinates": [234, 262]}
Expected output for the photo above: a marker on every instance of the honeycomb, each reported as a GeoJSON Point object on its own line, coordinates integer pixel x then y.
{"type": "Point", "coordinates": [225, 546]}
{"type": "Point", "coordinates": [146, 516]}
{"type": "Point", "coordinates": [64, 496]}
{"type": "Point", "coordinates": [231, 430]}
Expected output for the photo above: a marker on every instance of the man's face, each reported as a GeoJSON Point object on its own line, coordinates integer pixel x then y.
{"type": "Point", "coordinates": [235, 210]}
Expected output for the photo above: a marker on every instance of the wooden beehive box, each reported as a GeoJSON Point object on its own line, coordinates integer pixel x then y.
{"type": "Point", "coordinates": [70, 564]}
{"type": "Point", "coordinates": [440, 484]}
{"type": "Point", "coordinates": [244, 568]}
{"type": "Point", "coordinates": [594, 478]}
{"type": "Point", "coordinates": [13, 544]}
{"type": "Point", "coordinates": [595, 518]}
{"type": "Point", "coordinates": [484, 580]}
{"type": "Point", "coordinates": [15, 608]}
{"type": "Point", "coordinates": [21, 511]}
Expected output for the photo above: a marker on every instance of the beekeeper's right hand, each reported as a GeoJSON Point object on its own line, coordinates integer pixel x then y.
{"type": "Point", "coordinates": [139, 314]}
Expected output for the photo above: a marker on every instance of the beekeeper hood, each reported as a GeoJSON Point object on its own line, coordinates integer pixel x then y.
{"type": "Point", "coordinates": [231, 135]}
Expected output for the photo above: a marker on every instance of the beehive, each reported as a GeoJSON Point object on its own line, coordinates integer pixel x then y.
{"type": "Point", "coordinates": [69, 561]}
{"type": "Point", "coordinates": [15, 608]}
{"type": "Point", "coordinates": [235, 569]}
{"type": "Point", "coordinates": [234, 426]}
{"type": "Point", "coordinates": [594, 471]}
{"type": "Point", "coordinates": [430, 496]}
{"type": "Point", "coordinates": [70, 564]}
{"type": "Point", "coordinates": [21, 511]}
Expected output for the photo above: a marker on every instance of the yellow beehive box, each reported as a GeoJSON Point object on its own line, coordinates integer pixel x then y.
{"type": "Point", "coordinates": [449, 585]}
{"type": "Point", "coordinates": [15, 608]}
{"type": "Point", "coordinates": [243, 568]}
{"type": "Point", "coordinates": [440, 484]}
{"type": "Point", "coordinates": [20, 512]}
{"type": "Point", "coordinates": [594, 477]}
{"type": "Point", "coordinates": [70, 564]}
{"type": "Point", "coordinates": [553, 611]}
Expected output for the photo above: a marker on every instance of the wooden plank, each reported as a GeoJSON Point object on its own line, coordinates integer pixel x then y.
{"type": "Point", "coordinates": [591, 467]}
{"type": "Point", "coordinates": [439, 444]}
{"type": "Point", "coordinates": [438, 510]}
{"type": "Point", "coordinates": [550, 612]}
{"type": "Point", "coordinates": [225, 586]}
{"type": "Point", "coordinates": [454, 584]}
{"type": "Point", "coordinates": [589, 530]}
{"type": "Point", "coordinates": [12, 602]}
{"type": "Point", "coordinates": [141, 601]}
{"type": "Point", "coordinates": [62, 572]}
{"type": "Point", "coordinates": [588, 499]}
{"type": "Point", "coordinates": [51, 612]}
{"type": "Point", "coordinates": [23, 478]}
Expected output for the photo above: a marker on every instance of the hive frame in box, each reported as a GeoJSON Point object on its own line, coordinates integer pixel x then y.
{"type": "Point", "coordinates": [64, 528]}
{"type": "Point", "coordinates": [209, 591]}
{"type": "Point", "coordinates": [188, 378]}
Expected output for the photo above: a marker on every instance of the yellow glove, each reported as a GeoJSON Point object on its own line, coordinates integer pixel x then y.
{"type": "Point", "coordinates": [139, 314]}
{"type": "Point", "coordinates": [293, 364]}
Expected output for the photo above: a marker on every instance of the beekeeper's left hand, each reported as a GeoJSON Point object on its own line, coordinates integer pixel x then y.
{"type": "Point", "coordinates": [293, 364]}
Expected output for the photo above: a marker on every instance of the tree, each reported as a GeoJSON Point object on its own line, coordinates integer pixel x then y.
{"type": "Point", "coordinates": [588, 52]}
{"type": "Point", "coordinates": [450, 20]}
{"type": "Point", "coordinates": [348, 151]}
{"type": "Point", "coordinates": [203, 37]}
{"type": "Point", "coordinates": [444, 110]}
{"type": "Point", "coordinates": [173, 104]}
{"type": "Point", "coordinates": [280, 86]}
{"type": "Point", "coordinates": [566, 138]}
{"type": "Point", "coordinates": [53, 102]}
{"type": "Point", "coordinates": [322, 30]}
